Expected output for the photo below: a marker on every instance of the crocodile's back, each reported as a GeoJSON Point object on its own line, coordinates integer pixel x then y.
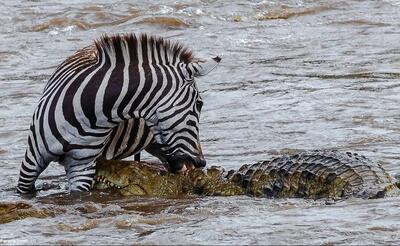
{"type": "Point", "coordinates": [316, 174]}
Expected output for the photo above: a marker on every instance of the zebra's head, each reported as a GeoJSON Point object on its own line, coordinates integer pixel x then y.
{"type": "Point", "coordinates": [176, 122]}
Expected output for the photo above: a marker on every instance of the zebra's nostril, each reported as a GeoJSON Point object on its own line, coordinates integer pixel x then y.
{"type": "Point", "coordinates": [201, 162]}
{"type": "Point", "coordinates": [176, 167]}
{"type": "Point", "coordinates": [179, 161]}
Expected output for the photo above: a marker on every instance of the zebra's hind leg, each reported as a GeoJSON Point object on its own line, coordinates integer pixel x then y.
{"type": "Point", "coordinates": [80, 174]}
{"type": "Point", "coordinates": [30, 170]}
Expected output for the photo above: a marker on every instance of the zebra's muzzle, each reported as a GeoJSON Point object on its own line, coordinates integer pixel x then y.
{"type": "Point", "coordinates": [180, 163]}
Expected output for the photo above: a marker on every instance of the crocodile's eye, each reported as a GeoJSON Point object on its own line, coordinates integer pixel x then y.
{"type": "Point", "coordinates": [197, 179]}
{"type": "Point", "coordinates": [198, 185]}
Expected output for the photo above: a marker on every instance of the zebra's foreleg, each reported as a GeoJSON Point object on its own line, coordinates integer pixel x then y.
{"type": "Point", "coordinates": [80, 174]}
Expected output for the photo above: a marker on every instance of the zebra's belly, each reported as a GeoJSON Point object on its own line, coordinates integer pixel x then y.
{"type": "Point", "coordinates": [66, 143]}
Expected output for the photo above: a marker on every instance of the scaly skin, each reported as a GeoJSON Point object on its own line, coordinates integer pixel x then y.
{"type": "Point", "coordinates": [146, 179]}
{"type": "Point", "coordinates": [313, 174]}
{"type": "Point", "coordinates": [316, 174]}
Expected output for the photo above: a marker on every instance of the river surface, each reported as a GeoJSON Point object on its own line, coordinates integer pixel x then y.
{"type": "Point", "coordinates": [295, 75]}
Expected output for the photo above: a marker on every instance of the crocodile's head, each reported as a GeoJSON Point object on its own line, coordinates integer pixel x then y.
{"type": "Point", "coordinates": [213, 182]}
{"type": "Point", "coordinates": [146, 179]}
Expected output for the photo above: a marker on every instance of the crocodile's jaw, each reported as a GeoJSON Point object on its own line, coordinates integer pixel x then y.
{"type": "Point", "coordinates": [140, 179]}
{"type": "Point", "coordinates": [128, 189]}
{"type": "Point", "coordinates": [133, 190]}
{"type": "Point", "coordinates": [101, 182]}
{"type": "Point", "coordinates": [112, 173]}
{"type": "Point", "coordinates": [108, 178]}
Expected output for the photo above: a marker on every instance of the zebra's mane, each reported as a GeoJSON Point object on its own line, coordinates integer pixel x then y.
{"type": "Point", "coordinates": [114, 43]}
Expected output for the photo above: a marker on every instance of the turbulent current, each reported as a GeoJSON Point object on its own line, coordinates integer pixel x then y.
{"type": "Point", "coordinates": [295, 75]}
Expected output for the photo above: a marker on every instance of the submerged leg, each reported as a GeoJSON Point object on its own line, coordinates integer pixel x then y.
{"type": "Point", "coordinates": [31, 167]}
{"type": "Point", "coordinates": [80, 174]}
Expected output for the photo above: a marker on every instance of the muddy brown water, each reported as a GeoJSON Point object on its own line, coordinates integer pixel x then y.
{"type": "Point", "coordinates": [295, 75]}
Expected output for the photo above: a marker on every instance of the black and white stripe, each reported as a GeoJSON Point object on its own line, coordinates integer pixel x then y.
{"type": "Point", "coordinates": [113, 99]}
{"type": "Point", "coordinates": [128, 138]}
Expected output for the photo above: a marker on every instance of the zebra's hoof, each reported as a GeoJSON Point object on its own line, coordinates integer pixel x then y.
{"type": "Point", "coordinates": [26, 190]}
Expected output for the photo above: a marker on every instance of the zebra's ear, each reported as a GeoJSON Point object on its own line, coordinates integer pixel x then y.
{"type": "Point", "coordinates": [204, 66]}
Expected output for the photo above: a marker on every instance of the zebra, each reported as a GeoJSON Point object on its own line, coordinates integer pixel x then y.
{"type": "Point", "coordinates": [129, 138]}
{"type": "Point", "coordinates": [109, 85]}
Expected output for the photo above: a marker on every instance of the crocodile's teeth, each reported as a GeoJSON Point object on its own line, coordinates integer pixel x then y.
{"type": "Point", "coordinates": [93, 183]}
{"type": "Point", "coordinates": [103, 179]}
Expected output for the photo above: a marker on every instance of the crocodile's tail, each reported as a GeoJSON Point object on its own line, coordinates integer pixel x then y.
{"type": "Point", "coordinates": [316, 174]}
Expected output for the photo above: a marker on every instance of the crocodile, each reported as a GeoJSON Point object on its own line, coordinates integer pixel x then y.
{"type": "Point", "coordinates": [17, 210]}
{"type": "Point", "coordinates": [310, 174]}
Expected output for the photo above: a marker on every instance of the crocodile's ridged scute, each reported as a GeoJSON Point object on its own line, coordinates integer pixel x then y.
{"type": "Point", "coordinates": [316, 174]}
